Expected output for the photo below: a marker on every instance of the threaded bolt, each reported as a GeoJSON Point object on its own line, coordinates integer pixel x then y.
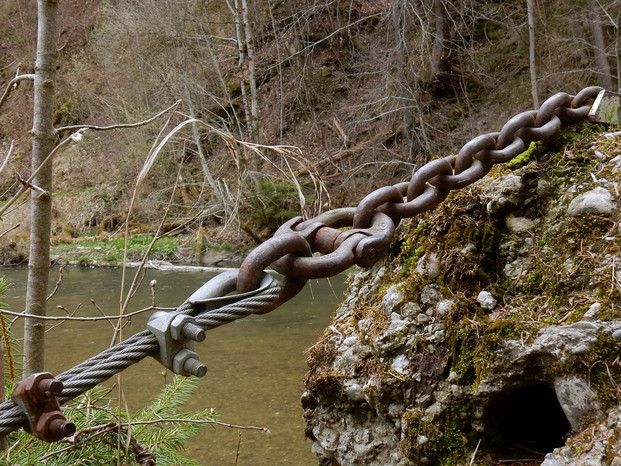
{"type": "Point", "coordinates": [195, 367]}
{"type": "Point", "coordinates": [50, 387]}
{"type": "Point", "coordinates": [61, 428]}
{"type": "Point", "coordinates": [192, 332]}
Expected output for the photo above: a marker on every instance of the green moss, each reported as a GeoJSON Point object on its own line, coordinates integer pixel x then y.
{"type": "Point", "coordinates": [525, 157]}
{"type": "Point", "coordinates": [443, 441]}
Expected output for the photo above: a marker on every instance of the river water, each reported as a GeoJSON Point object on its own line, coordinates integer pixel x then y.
{"type": "Point", "coordinates": [255, 366]}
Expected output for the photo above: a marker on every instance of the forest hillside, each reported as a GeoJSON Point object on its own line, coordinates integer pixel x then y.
{"type": "Point", "coordinates": [301, 106]}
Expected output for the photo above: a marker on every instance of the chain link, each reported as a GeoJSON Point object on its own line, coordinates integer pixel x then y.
{"type": "Point", "coordinates": [319, 248]}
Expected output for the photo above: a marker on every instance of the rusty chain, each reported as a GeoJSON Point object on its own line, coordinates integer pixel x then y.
{"type": "Point", "coordinates": [319, 248]}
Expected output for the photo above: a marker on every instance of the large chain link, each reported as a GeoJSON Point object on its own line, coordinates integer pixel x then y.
{"type": "Point", "coordinates": [318, 248]}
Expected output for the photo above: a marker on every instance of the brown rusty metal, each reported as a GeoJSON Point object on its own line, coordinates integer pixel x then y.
{"type": "Point", "coordinates": [319, 247]}
{"type": "Point", "coordinates": [36, 396]}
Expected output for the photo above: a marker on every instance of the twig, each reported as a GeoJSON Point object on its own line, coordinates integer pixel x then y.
{"type": "Point", "coordinates": [85, 319]}
{"type": "Point", "coordinates": [238, 448]}
{"type": "Point", "coordinates": [13, 83]}
{"type": "Point", "coordinates": [8, 155]}
{"type": "Point", "coordinates": [103, 313]}
{"type": "Point", "coordinates": [198, 421]}
{"type": "Point", "coordinates": [69, 314]}
{"type": "Point", "coordinates": [474, 453]}
{"type": "Point", "coordinates": [57, 286]}
{"type": "Point", "coordinates": [10, 229]}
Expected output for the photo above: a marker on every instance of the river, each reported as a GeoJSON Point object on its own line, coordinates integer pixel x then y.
{"type": "Point", "coordinates": [255, 366]}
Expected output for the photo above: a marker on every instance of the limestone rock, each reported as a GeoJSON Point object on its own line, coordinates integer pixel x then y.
{"type": "Point", "coordinates": [501, 341]}
{"type": "Point", "coordinates": [504, 193]}
{"type": "Point", "coordinates": [595, 201]}
{"type": "Point", "coordinates": [486, 300]}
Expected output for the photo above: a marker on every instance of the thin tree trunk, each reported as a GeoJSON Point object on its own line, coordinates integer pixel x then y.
{"type": "Point", "coordinates": [530, 6]}
{"type": "Point", "coordinates": [438, 51]}
{"type": "Point", "coordinates": [604, 75]}
{"type": "Point", "coordinates": [43, 139]}
{"type": "Point", "coordinates": [249, 37]}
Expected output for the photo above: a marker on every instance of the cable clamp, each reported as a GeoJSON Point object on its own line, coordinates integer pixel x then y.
{"type": "Point", "coordinates": [176, 334]}
{"type": "Point", "coordinates": [36, 396]}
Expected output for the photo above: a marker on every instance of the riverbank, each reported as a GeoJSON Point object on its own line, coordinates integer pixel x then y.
{"type": "Point", "coordinates": [164, 253]}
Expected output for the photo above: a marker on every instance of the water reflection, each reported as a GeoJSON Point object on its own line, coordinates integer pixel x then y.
{"type": "Point", "coordinates": [255, 365]}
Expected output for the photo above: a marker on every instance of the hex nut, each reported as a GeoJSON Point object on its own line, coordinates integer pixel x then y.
{"type": "Point", "coordinates": [176, 325]}
{"type": "Point", "coordinates": [31, 386]}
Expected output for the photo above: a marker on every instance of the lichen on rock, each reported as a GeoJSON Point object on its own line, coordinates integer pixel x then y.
{"type": "Point", "coordinates": [493, 330]}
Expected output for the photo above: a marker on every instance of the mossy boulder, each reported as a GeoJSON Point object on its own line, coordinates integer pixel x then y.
{"type": "Point", "coordinates": [492, 332]}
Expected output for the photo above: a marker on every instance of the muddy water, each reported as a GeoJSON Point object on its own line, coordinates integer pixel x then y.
{"type": "Point", "coordinates": [255, 366]}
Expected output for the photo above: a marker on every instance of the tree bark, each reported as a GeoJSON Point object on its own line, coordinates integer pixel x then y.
{"type": "Point", "coordinates": [43, 139]}
{"type": "Point", "coordinates": [530, 6]}
{"type": "Point", "coordinates": [604, 75]}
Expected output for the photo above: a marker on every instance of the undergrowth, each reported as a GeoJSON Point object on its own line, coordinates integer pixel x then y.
{"type": "Point", "coordinates": [106, 435]}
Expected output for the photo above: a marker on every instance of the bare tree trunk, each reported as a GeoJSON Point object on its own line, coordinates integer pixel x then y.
{"type": "Point", "coordinates": [604, 75]}
{"type": "Point", "coordinates": [409, 87]}
{"type": "Point", "coordinates": [438, 51]}
{"type": "Point", "coordinates": [43, 139]}
{"type": "Point", "coordinates": [530, 6]}
{"type": "Point", "coordinates": [252, 80]}
{"type": "Point", "coordinates": [246, 62]}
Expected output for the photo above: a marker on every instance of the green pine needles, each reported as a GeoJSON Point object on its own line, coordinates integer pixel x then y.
{"type": "Point", "coordinates": [107, 436]}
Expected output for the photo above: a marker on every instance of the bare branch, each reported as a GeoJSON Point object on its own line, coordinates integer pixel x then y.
{"type": "Point", "coordinates": [58, 282]}
{"type": "Point", "coordinates": [86, 319]}
{"type": "Point", "coordinates": [75, 137]}
{"type": "Point", "coordinates": [121, 125]}
{"type": "Point", "coordinates": [8, 155]}
{"type": "Point", "coordinates": [13, 83]}
{"type": "Point", "coordinates": [10, 229]}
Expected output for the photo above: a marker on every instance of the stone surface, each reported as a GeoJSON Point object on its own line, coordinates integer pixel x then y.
{"type": "Point", "coordinates": [595, 201]}
{"type": "Point", "coordinates": [519, 224]}
{"type": "Point", "coordinates": [486, 300]}
{"type": "Point", "coordinates": [578, 401]}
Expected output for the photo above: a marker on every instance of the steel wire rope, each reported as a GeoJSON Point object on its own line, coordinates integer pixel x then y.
{"type": "Point", "coordinates": [104, 365]}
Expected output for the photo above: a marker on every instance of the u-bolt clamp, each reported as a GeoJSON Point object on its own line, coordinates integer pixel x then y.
{"type": "Point", "coordinates": [36, 396]}
{"type": "Point", "coordinates": [176, 334]}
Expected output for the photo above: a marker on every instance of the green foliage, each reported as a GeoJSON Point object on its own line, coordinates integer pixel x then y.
{"type": "Point", "coordinates": [102, 431]}
{"type": "Point", "coordinates": [274, 203]}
